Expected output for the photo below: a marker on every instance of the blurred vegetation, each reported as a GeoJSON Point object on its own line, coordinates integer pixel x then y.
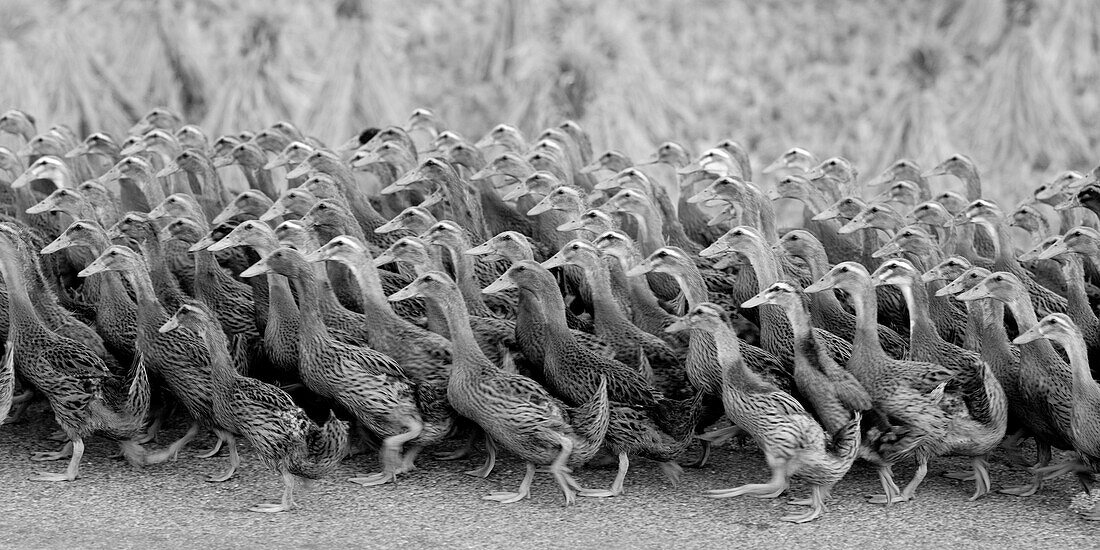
{"type": "Point", "coordinates": [1008, 82]}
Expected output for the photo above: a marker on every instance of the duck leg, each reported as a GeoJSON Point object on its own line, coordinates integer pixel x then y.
{"type": "Point", "coordinates": [773, 488]}
{"type": "Point", "coordinates": [20, 402]}
{"type": "Point", "coordinates": [287, 501]}
{"type": "Point", "coordinates": [889, 488]}
{"type": "Point", "coordinates": [390, 456]}
{"type": "Point", "coordinates": [1043, 449]}
{"type": "Point", "coordinates": [408, 461]}
{"type": "Point", "coordinates": [918, 477]}
{"type": "Point", "coordinates": [171, 452]}
{"type": "Point", "coordinates": [561, 472]}
{"type": "Point", "coordinates": [216, 448]}
{"type": "Point", "coordinates": [818, 494]}
{"type": "Point", "coordinates": [74, 465]}
{"type": "Point", "coordinates": [827, 493]}
{"type": "Point", "coordinates": [66, 451]}
{"type": "Point", "coordinates": [234, 458]}
{"type": "Point", "coordinates": [981, 477]}
{"type": "Point", "coordinates": [523, 492]}
{"type": "Point", "coordinates": [616, 486]}
{"type": "Point", "coordinates": [490, 460]}
{"type": "Point", "coordinates": [464, 450]}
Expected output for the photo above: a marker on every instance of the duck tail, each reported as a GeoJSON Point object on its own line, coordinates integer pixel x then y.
{"type": "Point", "coordinates": [679, 418]}
{"type": "Point", "coordinates": [986, 399]}
{"type": "Point", "coordinates": [325, 447]}
{"type": "Point", "coordinates": [846, 442]}
{"type": "Point", "coordinates": [129, 422]}
{"type": "Point", "coordinates": [7, 381]}
{"type": "Point", "coordinates": [591, 419]}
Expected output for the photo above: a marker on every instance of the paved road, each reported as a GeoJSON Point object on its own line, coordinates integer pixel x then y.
{"type": "Point", "coordinates": [170, 505]}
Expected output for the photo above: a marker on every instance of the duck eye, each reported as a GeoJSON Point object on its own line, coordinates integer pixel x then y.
{"type": "Point", "coordinates": [662, 254]}
{"type": "Point", "coordinates": [794, 237]}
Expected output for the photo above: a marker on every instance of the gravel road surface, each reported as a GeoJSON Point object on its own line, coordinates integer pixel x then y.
{"type": "Point", "coordinates": [113, 505]}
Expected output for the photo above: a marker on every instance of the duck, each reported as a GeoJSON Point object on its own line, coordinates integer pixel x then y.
{"type": "Point", "coordinates": [84, 396]}
{"type": "Point", "coordinates": [1086, 393]}
{"type": "Point", "coordinates": [901, 391]}
{"type": "Point", "coordinates": [284, 437]}
{"type": "Point", "coordinates": [634, 347]}
{"type": "Point", "coordinates": [1043, 379]}
{"type": "Point", "coordinates": [643, 422]}
{"type": "Point", "coordinates": [516, 413]}
{"type": "Point", "coordinates": [827, 310]}
{"type": "Point", "coordinates": [794, 444]}
{"type": "Point", "coordinates": [978, 430]}
{"type": "Point", "coordinates": [180, 359]}
{"type": "Point", "coordinates": [369, 384]}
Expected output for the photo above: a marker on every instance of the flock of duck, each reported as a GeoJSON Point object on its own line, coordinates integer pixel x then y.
{"type": "Point", "coordinates": [412, 287]}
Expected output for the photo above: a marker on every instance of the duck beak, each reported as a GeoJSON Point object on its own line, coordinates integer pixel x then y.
{"type": "Point", "coordinates": [222, 161]}
{"type": "Point", "coordinates": [931, 275]}
{"type": "Point", "coordinates": [557, 260]}
{"type": "Point", "coordinates": [727, 214]}
{"type": "Point", "coordinates": [939, 170]}
{"type": "Point", "coordinates": [574, 225]}
{"type": "Point", "coordinates": [276, 162]}
{"type": "Point", "coordinates": [390, 227]}
{"type": "Point", "coordinates": [640, 269]}
{"type": "Point", "coordinates": [504, 282]}
{"type": "Point", "coordinates": [431, 200]}
{"type": "Point", "coordinates": [515, 193]}
{"type": "Point", "coordinates": [60, 243]}
{"type": "Point", "coordinates": [884, 178]}
{"type": "Point", "coordinates": [258, 268]}
{"type": "Point", "coordinates": [702, 196]}
{"type": "Point", "coordinates": [608, 184]}
{"type": "Point", "coordinates": [852, 226]}
{"type": "Point", "coordinates": [158, 212]}
{"type": "Point", "coordinates": [133, 148]}
{"type": "Point", "coordinates": [22, 180]}
{"type": "Point", "coordinates": [819, 286]}
{"type": "Point", "coordinates": [319, 255]}
{"type": "Point", "coordinates": [480, 250]}
{"type": "Point", "coordinates": [590, 167]}
{"type": "Point", "coordinates": [384, 258]}
{"type": "Point", "coordinates": [776, 165]}
{"type": "Point", "coordinates": [1057, 248]}
{"type": "Point", "coordinates": [172, 168]}
{"type": "Point", "coordinates": [1030, 335]}
{"type": "Point", "coordinates": [169, 326]}
{"type": "Point", "coordinates": [727, 261]}
{"type": "Point", "coordinates": [226, 242]}
{"type": "Point", "coordinates": [756, 301]}
{"type": "Point", "coordinates": [1072, 202]}
{"type": "Point", "coordinates": [230, 211]}
{"type": "Point", "coordinates": [92, 269]}
{"type": "Point", "coordinates": [977, 293]}
{"type": "Point", "coordinates": [485, 141]}
{"type": "Point", "coordinates": [814, 174]}
{"type": "Point", "coordinates": [77, 151]}
{"type": "Point", "coordinates": [543, 206]}
{"type": "Point", "coordinates": [46, 205]}
{"type": "Point", "coordinates": [678, 325]}
{"type": "Point", "coordinates": [110, 175]}
{"type": "Point", "coordinates": [410, 291]}
{"type": "Point", "coordinates": [276, 210]}
{"type": "Point", "coordinates": [715, 249]}
{"type": "Point", "coordinates": [888, 249]}
{"type": "Point", "coordinates": [298, 171]}
{"type": "Point", "coordinates": [829, 213]}
{"type": "Point", "coordinates": [203, 244]}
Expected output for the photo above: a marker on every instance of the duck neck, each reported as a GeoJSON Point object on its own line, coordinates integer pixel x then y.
{"type": "Point", "coordinates": [1078, 305]}
{"type": "Point", "coordinates": [866, 305]}
{"type": "Point", "coordinates": [649, 225]}
{"type": "Point", "coordinates": [765, 264]}
{"type": "Point", "coordinates": [921, 326]}
{"type": "Point", "coordinates": [222, 372]}
{"type": "Point", "coordinates": [691, 284]}
{"type": "Point", "coordinates": [606, 310]}
{"type": "Point", "coordinates": [24, 319]}
{"type": "Point", "coordinates": [465, 350]}
{"type": "Point", "coordinates": [312, 326]}
{"type": "Point", "coordinates": [465, 277]}
{"type": "Point", "coordinates": [379, 314]}
{"type": "Point", "coordinates": [972, 181]}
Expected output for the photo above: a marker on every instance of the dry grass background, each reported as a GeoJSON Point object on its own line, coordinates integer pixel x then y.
{"type": "Point", "coordinates": [1010, 82]}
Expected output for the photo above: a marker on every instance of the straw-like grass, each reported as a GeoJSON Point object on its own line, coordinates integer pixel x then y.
{"type": "Point", "coordinates": [844, 78]}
